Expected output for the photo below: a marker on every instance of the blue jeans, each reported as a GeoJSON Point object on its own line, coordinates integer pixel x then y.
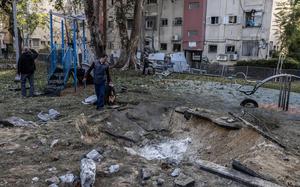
{"type": "Point", "coordinates": [30, 78]}
{"type": "Point", "coordinates": [100, 93]}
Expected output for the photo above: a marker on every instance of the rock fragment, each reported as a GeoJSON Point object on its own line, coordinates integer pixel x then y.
{"type": "Point", "coordinates": [94, 155]}
{"type": "Point", "coordinates": [146, 174]}
{"type": "Point", "coordinates": [114, 168]}
{"type": "Point", "coordinates": [184, 181]}
{"type": "Point", "coordinates": [176, 172]}
{"type": "Point", "coordinates": [52, 180]}
{"type": "Point", "coordinates": [87, 172]}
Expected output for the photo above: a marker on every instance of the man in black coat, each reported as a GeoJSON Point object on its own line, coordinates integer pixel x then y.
{"type": "Point", "coordinates": [26, 68]}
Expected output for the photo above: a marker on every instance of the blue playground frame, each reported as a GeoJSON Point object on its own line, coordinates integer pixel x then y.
{"type": "Point", "coordinates": [69, 51]}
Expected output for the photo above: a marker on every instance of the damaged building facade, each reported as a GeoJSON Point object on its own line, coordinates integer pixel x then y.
{"type": "Point", "coordinates": [240, 29]}
{"type": "Point", "coordinates": [221, 30]}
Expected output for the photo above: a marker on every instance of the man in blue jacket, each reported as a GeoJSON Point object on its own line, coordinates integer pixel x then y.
{"type": "Point", "coordinates": [101, 78]}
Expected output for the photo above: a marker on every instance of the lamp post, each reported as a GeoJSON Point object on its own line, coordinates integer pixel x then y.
{"type": "Point", "coordinates": [16, 31]}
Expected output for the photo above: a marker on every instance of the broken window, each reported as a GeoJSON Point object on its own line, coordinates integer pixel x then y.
{"type": "Point", "coordinates": [192, 33]}
{"type": "Point", "coordinates": [164, 22]}
{"type": "Point", "coordinates": [177, 21]}
{"type": "Point", "coordinates": [253, 18]}
{"type": "Point", "coordinates": [230, 49]}
{"type": "Point", "coordinates": [214, 20]}
{"type": "Point", "coordinates": [163, 46]}
{"type": "Point", "coordinates": [212, 48]}
{"type": "Point", "coordinates": [176, 47]}
{"type": "Point", "coordinates": [250, 48]}
{"type": "Point", "coordinates": [194, 5]}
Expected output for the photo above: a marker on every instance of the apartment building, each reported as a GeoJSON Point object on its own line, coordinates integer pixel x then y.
{"type": "Point", "coordinates": [162, 26]}
{"type": "Point", "coordinates": [239, 29]}
{"type": "Point", "coordinates": [194, 30]}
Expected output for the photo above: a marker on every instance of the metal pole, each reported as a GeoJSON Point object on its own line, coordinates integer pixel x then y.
{"type": "Point", "coordinates": [16, 31]}
{"type": "Point", "coordinates": [84, 43]}
{"type": "Point", "coordinates": [62, 43]}
{"type": "Point", "coordinates": [75, 53]}
{"type": "Point", "coordinates": [52, 55]}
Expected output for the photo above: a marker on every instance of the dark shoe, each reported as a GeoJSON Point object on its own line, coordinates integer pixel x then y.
{"type": "Point", "coordinates": [99, 108]}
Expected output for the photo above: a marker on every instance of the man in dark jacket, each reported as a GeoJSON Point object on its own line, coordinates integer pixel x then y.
{"type": "Point", "coordinates": [26, 68]}
{"type": "Point", "coordinates": [101, 78]}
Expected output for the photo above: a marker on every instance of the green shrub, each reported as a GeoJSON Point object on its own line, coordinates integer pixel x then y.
{"type": "Point", "coordinates": [289, 63]}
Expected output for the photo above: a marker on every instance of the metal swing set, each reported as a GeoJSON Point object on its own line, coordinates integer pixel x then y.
{"type": "Point", "coordinates": [64, 60]}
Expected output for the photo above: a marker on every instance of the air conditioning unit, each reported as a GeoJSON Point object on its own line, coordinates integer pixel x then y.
{"type": "Point", "coordinates": [222, 57]}
{"type": "Point", "coordinates": [175, 37]}
{"type": "Point", "coordinates": [233, 57]}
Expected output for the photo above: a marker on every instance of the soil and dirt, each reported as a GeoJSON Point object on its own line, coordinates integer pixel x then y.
{"type": "Point", "coordinates": [143, 128]}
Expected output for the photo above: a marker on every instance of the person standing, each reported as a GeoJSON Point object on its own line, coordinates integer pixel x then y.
{"type": "Point", "coordinates": [3, 49]}
{"type": "Point", "coordinates": [26, 68]}
{"type": "Point", "coordinates": [101, 78]}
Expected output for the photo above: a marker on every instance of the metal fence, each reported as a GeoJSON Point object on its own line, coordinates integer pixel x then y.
{"type": "Point", "coordinates": [252, 72]}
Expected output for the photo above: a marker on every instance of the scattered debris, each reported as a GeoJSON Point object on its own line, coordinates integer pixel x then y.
{"type": "Point", "coordinates": [90, 100]}
{"type": "Point", "coordinates": [172, 150]}
{"type": "Point", "coordinates": [233, 174]}
{"type": "Point", "coordinates": [94, 155]}
{"type": "Point", "coordinates": [17, 122]}
{"type": "Point", "coordinates": [87, 172]}
{"type": "Point", "coordinates": [114, 168]}
{"type": "Point", "coordinates": [214, 117]}
{"type": "Point", "coordinates": [145, 174]}
{"type": "Point", "coordinates": [52, 180]}
{"type": "Point", "coordinates": [51, 115]}
{"type": "Point", "coordinates": [54, 143]}
{"type": "Point", "coordinates": [69, 178]}
{"type": "Point", "coordinates": [53, 185]}
{"type": "Point", "coordinates": [184, 181]}
{"type": "Point", "coordinates": [53, 169]}
{"type": "Point", "coordinates": [35, 179]}
{"type": "Point", "coordinates": [176, 172]}
{"type": "Point", "coordinates": [160, 181]}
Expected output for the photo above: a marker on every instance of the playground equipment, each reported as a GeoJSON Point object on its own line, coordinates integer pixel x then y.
{"type": "Point", "coordinates": [64, 60]}
{"type": "Point", "coordinates": [285, 81]}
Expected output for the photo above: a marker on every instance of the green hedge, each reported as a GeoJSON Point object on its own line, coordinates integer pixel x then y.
{"type": "Point", "coordinates": [290, 63]}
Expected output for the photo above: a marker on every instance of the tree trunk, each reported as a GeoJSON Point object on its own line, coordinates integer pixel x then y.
{"type": "Point", "coordinates": [92, 12]}
{"type": "Point", "coordinates": [135, 35]}
{"type": "Point", "coordinates": [121, 19]}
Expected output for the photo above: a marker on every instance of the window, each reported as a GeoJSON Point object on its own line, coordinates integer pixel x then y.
{"type": "Point", "coordinates": [176, 47]}
{"type": "Point", "coordinates": [43, 42]}
{"type": "Point", "coordinates": [110, 45]}
{"type": "Point", "coordinates": [35, 42]}
{"type": "Point", "coordinates": [194, 5]}
{"type": "Point", "coordinates": [151, 1]}
{"type": "Point", "coordinates": [250, 48]}
{"type": "Point", "coordinates": [192, 33]}
{"type": "Point", "coordinates": [163, 46]}
{"type": "Point", "coordinates": [112, 2]}
{"type": "Point", "coordinates": [147, 43]}
{"type": "Point", "coordinates": [164, 22]}
{"type": "Point", "coordinates": [214, 20]}
{"type": "Point", "coordinates": [232, 19]}
{"type": "Point", "coordinates": [129, 24]}
{"type": "Point", "coordinates": [212, 48]}
{"type": "Point", "coordinates": [110, 24]}
{"type": "Point", "coordinates": [230, 49]}
{"type": "Point", "coordinates": [253, 19]}
{"type": "Point", "coordinates": [177, 21]}
{"type": "Point", "coordinates": [151, 23]}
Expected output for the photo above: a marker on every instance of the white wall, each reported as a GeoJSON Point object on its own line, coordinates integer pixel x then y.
{"type": "Point", "coordinates": [233, 34]}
